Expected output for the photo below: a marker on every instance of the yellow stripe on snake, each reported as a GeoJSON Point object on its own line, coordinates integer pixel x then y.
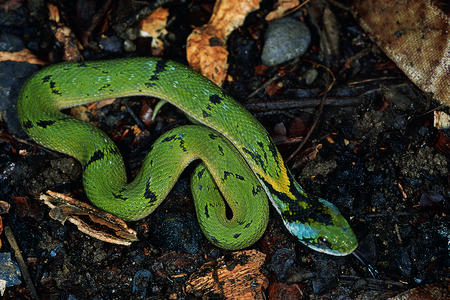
{"type": "Point", "coordinates": [239, 161]}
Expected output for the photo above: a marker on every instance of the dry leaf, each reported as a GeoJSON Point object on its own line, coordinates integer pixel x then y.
{"type": "Point", "coordinates": [415, 35]}
{"type": "Point", "coordinates": [206, 51]}
{"type": "Point", "coordinates": [23, 55]}
{"type": "Point", "coordinates": [433, 291]}
{"type": "Point", "coordinates": [282, 7]}
{"type": "Point", "coordinates": [441, 120]}
{"type": "Point", "coordinates": [100, 224]}
{"type": "Point", "coordinates": [64, 35]}
{"type": "Point", "coordinates": [155, 26]}
{"type": "Point", "coordinates": [241, 281]}
{"type": "Point", "coordinates": [331, 32]}
{"type": "Point", "coordinates": [23, 206]}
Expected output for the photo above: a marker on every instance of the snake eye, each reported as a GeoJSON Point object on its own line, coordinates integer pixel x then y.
{"type": "Point", "coordinates": [323, 242]}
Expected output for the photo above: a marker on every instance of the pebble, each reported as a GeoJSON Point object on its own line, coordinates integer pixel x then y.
{"type": "Point", "coordinates": [141, 282]}
{"type": "Point", "coordinates": [176, 232]}
{"type": "Point", "coordinates": [12, 76]}
{"type": "Point", "coordinates": [9, 272]}
{"type": "Point", "coordinates": [286, 39]}
{"type": "Point", "coordinates": [10, 42]}
{"type": "Point", "coordinates": [112, 44]}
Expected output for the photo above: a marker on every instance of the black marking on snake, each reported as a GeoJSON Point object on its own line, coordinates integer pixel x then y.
{"type": "Point", "coordinates": [205, 114]}
{"type": "Point", "coordinates": [122, 190]}
{"type": "Point", "coordinates": [52, 84]}
{"type": "Point", "coordinates": [213, 136]}
{"type": "Point", "coordinates": [120, 197]}
{"type": "Point", "coordinates": [105, 71]}
{"type": "Point", "coordinates": [27, 124]}
{"type": "Point", "coordinates": [159, 67]}
{"type": "Point", "coordinates": [236, 235]}
{"type": "Point", "coordinates": [200, 187]}
{"type": "Point", "coordinates": [176, 137]}
{"type": "Point", "coordinates": [206, 211]}
{"type": "Point", "coordinates": [239, 177]}
{"type": "Point", "coordinates": [81, 65]}
{"type": "Point", "coordinates": [257, 190]}
{"type": "Point", "coordinates": [45, 124]}
{"type": "Point", "coordinates": [248, 225]}
{"type": "Point", "coordinates": [149, 84]}
{"type": "Point", "coordinates": [261, 146]}
{"type": "Point", "coordinates": [226, 174]}
{"type": "Point", "coordinates": [221, 150]}
{"type": "Point", "coordinates": [316, 211]}
{"type": "Point", "coordinates": [98, 155]}
{"type": "Point", "coordinates": [169, 138]}
{"type": "Point", "coordinates": [256, 158]}
{"type": "Point", "coordinates": [105, 86]}
{"type": "Point", "coordinates": [148, 194]}
{"type": "Point", "coordinates": [200, 174]}
{"type": "Point", "coordinates": [56, 92]}
{"type": "Point", "coordinates": [114, 151]}
{"type": "Point", "coordinates": [46, 78]}
{"type": "Point", "coordinates": [274, 151]}
{"type": "Point", "coordinates": [215, 99]}
{"type": "Point", "coordinates": [215, 241]}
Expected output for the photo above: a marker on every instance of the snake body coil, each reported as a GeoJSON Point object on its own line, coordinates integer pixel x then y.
{"type": "Point", "coordinates": [238, 156]}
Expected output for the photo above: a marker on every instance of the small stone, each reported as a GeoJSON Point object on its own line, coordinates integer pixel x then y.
{"type": "Point", "coordinates": [173, 231]}
{"type": "Point", "coordinates": [9, 272]}
{"type": "Point", "coordinates": [286, 39]}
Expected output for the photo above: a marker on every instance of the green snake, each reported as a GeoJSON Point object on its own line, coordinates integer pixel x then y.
{"type": "Point", "coordinates": [239, 160]}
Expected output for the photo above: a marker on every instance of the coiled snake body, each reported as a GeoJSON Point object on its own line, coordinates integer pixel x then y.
{"type": "Point", "coordinates": [239, 159]}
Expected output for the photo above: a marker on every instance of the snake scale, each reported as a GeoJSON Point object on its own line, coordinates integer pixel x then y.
{"type": "Point", "coordinates": [239, 161]}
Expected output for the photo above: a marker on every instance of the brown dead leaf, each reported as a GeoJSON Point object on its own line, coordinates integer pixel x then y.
{"type": "Point", "coordinates": [100, 225]}
{"type": "Point", "coordinates": [415, 35]}
{"type": "Point", "coordinates": [441, 120]}
{"type": "Point", "coordinates": [23, 55]}
{"type": "Point", "coordinates": [279, 133]}
{"type": "Point", "coordinates": [4, 207]}
{"type": "Point", "coordinates": [8, 6]}
{"type": "Point", "coordinates": [206, 51]}
{"type": "Point", "coordinates": [241, 281]}
{"type": "Point", "coordinates": [146, 114]}
{"type": "Point", "coordinates": [433, 291]}
{"type": "Point", "coordinates": [155, 26]}
{"type": "Point", "coordinates": [23, 206]}
{"type": "Point", "coordinates": [285, 291]}
{"type": "Point", "coordinates": [275, 88]}
{"type": "Point", "coordinates": [100, 104]}
{"type": "Point", "coordinates": [64, 35]}
{"type": "Point", "coordinates": [282, 7]}
{"type": "Point", "coordinates": [53, 13]}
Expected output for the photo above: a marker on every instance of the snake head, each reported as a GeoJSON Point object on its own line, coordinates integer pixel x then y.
{"type": "Point", "coordinates": [323, 229]}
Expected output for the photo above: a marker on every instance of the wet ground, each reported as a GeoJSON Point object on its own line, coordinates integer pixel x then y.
{"type": "Point", "coordinates": [380, 160]}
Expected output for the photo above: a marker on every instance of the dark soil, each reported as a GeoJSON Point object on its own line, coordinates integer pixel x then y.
{"type": "Point", "coordinates": [381, 162]}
